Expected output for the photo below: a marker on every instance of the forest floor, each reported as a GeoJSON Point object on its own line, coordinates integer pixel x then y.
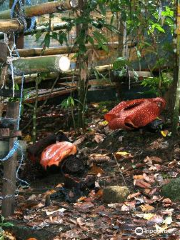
{"type": "Point", "coordinates": [141, 160]}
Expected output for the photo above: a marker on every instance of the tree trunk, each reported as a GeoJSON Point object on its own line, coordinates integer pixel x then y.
{"type": "Point", "coordinates": [175, 119]}
{"type": "Point", "coordinates": [82, 64]}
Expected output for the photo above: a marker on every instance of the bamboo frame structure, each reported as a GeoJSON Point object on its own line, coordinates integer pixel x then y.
{"type": "Point", "coordinates": [43, 8]}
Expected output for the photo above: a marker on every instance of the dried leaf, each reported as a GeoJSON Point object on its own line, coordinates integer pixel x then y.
{"type": "Point", "coordinates": [138, 177]}
{"type": "Point", "coordinates": [164, 133]}
{"type": "Point", "coordinates": [120, 155]}
{"type": "Point", "coordinates": [27, 138]}
{"type": "Point", "coordinates": [133, 195]}
{"type": "Point", "coordinates": [147, 208]}
{"type": "Point", "coordinates": [79, 140]}
{"type": "Point", "coordinates": [141, 183]}
{"type": "Point", "coordinates": [99, 138]}
{"type": "Point", "coordinates": [60, 210]}
{"type": "Point", "coordinates": [98, 158]}
{"type": "Point", "coordinates": [80, 221]}
{"type": "Point", "coordinates": [95, 170]}
{"type": "Point", "coordinates": [104, 123]}
{"type": "Point", "coordinates": [84, 205]}
{"type": "Point", "coordinates": [168, 220]}
{"type": "Point", "coordinates": [155, 167]}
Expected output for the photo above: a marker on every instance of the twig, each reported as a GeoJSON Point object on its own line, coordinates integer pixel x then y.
{"type": "Point", "coordinates": [119, 169]}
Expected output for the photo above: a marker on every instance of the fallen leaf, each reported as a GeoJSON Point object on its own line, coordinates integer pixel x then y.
{"type": "Point", "coordinates": [98, 158]}
{"type": "Point", "coordinates": [98, 194]}
{"type": "Point", "coordinates": [27, 138]}
{"type": "Point", "coordinates": [168, 220]}
{"type": "Point", "coordinates": [84, 205]}
{"type": "Point", "coordinates": [80, 221]}
{"type": "Point", "coordinates": [104, 123]}
{"type": "Point", "coordinates": [147, 208]}
{"type": "Point", "coordinates": [99, 138]}
{"type": "Point", "coordinates": [79, 140]}
{"type": "Point", "coordinates": [155, 167]}
{"type": "Point", "coordinates": [167, 201]}
{"type": "Point", "coordinates": [133, 195]}
{"type": "Point", "coordinates": [141, 183]}
{"type": "Point", "coordinates": [149, 178]}
{"type": "Point", "coordinates": [164, 133]}
{"type": "Point", "coordinates": [160, 229]}
{"type": "Point", "coordinates": [120, 155]}
{"type": "Point", "coordinates": [138, 177]}
{"type": "Point", "coordinates": [95, 170]}
{"type": "Point", "coordinates": [152, 159]}
{"type": "Point", "coordinates": [60, 210]}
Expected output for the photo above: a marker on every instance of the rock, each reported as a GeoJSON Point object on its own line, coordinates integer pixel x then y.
{"type": "Point", "coordinates": [115, 194]}
{"type": "Point", "coordinates": [172, 189]}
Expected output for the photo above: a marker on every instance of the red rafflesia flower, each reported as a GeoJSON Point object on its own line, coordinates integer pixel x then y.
{"type": "Point", "coordinates": [135, 113]}
{"type": "Point", "coordinates": [55, 153]}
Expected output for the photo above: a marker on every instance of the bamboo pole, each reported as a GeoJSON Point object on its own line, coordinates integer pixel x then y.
{"type": "Point", "coordinates": [59, 26]}
{"type": "Point", "coordinates": [10, 26]}
{"type": "Point", "coordinates": [60, 50]}
{"type": "Point", "coordinates": [9, 177]}
{"type": "Point", "coordinates": [66, 75]}
{"type": "Point", "coordinates": [41, 64]}
{"type": "Point", "coordinates": [43, 8]}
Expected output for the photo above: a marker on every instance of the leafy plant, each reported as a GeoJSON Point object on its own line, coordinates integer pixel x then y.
{"type": "Point", "coordinates": [69, 103]}
{"type": "Point", "coordinates": [4, 224]}
{"type": "Point", "coordinates": [157, 84]}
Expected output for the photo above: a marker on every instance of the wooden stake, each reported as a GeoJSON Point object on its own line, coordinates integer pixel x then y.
{"type": "Point", "coordinates": [9, 178]}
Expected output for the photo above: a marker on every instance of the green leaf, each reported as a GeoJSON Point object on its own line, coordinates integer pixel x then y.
{"type": "Point", "coordinates": [46, 40]}
{"type": "Point", "coordinates": [91, 40]}
{"type": "Point", "coordinates": [54, 35]}
{"type": "Point", "coordinates": [38, 35]}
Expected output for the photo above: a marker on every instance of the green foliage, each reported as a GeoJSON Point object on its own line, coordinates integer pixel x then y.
{"type": "Point", "coordinates": [120, 63]}
{"type": "Point", "coordinates": [158, 85]}
{"type": "Point", "coordinates": [4, 224]}
{"type": "Point", "coordinates": [147, 23]}
{"type": "Point", "coordinates": [68, 103]}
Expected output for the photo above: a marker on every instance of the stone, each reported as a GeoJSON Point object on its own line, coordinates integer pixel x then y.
{"type": "Point", "coordinates": [115, 194]}
{"type": "Point", "coordinates": [172, 190]}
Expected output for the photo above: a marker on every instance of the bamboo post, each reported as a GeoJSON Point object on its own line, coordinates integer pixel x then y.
{"type": "Point", "coordinates": [59, 26]}
{"type": "Point", "coordinates": [43, 8]}
{"type": "Point", "coordinates": [10, 25]}
{"type": "Point", "coordinates": [41, 64]}
{"type": "Point", "coordinates": [9, 178]}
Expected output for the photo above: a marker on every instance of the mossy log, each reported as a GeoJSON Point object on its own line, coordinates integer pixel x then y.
{"type": "Point", "coordinates": [43, 8]}
{"type": "Point", "coordinates": [41, 64]}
